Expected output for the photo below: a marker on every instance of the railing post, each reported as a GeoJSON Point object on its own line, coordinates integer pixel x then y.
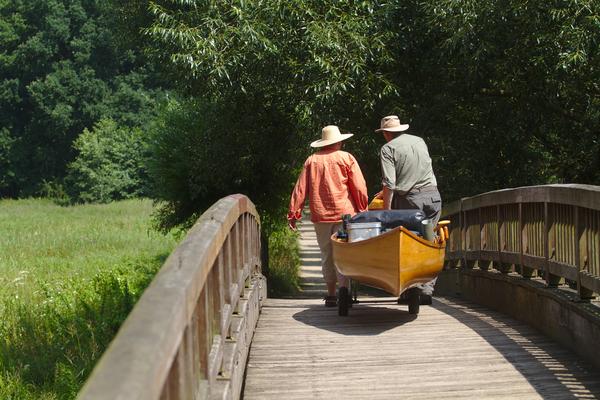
{"type": "Point", "coordinates": [499, 227]}
{"type": "Point", "coordinates": [552, 280]}
{"type": "Point", "coordinates": [226, 261]}
{"type": "Point", "coordinates": [503, 267]}
{"type": "Point", "coordinates": [480, 241]}
{"type": "Point", "coordinates": [583, 293]}
{"type": "Point", "coordinates": [463, 237]}
{"type": "Point", "coordinates": [472, 237]}
{"type": "Point", "coordinates": [526, 272]}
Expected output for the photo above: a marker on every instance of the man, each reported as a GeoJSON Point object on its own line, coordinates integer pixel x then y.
{"type": "Point", "coordinates": [407, 177]}
{"type": "Point", "coordinates": [334, 185]}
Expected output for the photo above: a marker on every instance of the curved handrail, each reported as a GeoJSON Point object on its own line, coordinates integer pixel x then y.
{"type": "Point", "coordinates": [554, 229]}
{"type": "Point", "coordinates": [193, 324]}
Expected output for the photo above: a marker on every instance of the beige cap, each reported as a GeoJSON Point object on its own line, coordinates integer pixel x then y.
{"type": "Point", "coordinates": [329, 135]}
{"type": "Point", "coordinates": [391, 123]}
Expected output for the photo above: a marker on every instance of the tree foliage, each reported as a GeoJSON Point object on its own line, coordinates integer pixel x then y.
{"type": "Point", "coordinates": [110, 164]}
{"type": "Point", "coordinates": [309, 51]}
{"type": "Point", "coordinates": [505, 93]}
{"type": "Point", "coordinates": [203, 151]}
{"type": "Point", "coordinates": [519, 81]}
{"type": "Point", "coordinates": [274, 73]}
{"type": "Point", "coordinates": [61, 70]}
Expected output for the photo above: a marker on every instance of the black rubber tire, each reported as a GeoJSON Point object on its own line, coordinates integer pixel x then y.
{"type": "Point", "coordinates": [352, 290]}
{"type": "Point", "coordinates": [403, 298]}
{"type": "Point", "coordinates": [414, 300]}
{"type": "Point", "coordinates": [343, 302]}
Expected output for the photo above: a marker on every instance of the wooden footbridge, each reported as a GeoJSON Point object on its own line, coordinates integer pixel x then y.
{"type": "Point", "coordinates": [516, 315]}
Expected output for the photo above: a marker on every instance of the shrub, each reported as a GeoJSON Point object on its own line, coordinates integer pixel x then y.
{"type": "Point", "coordinates": [55, 191]}
{"type": "Point", "coordinates": [7, 173]}
{"type": "Point", "coordinates": [110, 164]}
{"type": "Point", "coordinates": [202, 151]}
{"type": "Point", "coordinates": [284, 263]}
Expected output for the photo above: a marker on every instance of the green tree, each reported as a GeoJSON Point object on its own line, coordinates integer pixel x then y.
{"type": "Point", "coordinates": [504, 93]}
{"type": "Point", "coordinates": [110, 164]}
{"type": "Point", "coordinates": [519, 81]}
{"type": "Point", "coordinates": [203, 151]}
{"type": "Point", "coordinates": [61, 70]}
{"type": "Point", "coordinates": [276, 72]}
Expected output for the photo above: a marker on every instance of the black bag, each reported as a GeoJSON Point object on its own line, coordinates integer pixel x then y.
{"type": "Point", "coordinates": [390, 219]}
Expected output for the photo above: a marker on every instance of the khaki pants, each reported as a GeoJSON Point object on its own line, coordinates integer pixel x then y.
{"type": "Point", "coordinates": [324, 230]}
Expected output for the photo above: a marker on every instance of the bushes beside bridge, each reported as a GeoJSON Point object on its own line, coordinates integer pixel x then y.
{"type": "Point", "coordinates": [283, 272]}
{"type": "Point", "coordinates": [197, 159]}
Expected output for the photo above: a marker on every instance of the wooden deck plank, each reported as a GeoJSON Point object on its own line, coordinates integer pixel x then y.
{"type": "Point", "coordinates": [452, 350]}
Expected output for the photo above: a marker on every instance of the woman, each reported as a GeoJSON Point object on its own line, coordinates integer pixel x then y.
{"type": "Point", "coordinates": [334, 185]}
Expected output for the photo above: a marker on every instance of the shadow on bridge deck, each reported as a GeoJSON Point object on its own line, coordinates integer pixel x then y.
{"type": "Point", "coordinates": [366, 320]}
{"type": "Point", "coordinates": [453, 349]}
{"type": "Point", "coordinates": [550, 369]}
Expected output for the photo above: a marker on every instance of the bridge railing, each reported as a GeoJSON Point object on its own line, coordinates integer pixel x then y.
{"type": "Point", "coordinates": [551, 229]}
{"type": "Point", "coordinates": [189, 334]}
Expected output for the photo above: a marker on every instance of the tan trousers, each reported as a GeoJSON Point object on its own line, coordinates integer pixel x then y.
{"type": "Point", "coordinates": [324, 230]}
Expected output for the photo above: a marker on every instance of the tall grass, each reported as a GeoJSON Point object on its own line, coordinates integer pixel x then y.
{"type": "Point", "coordinates": [284, 262]}
{"type": "Point", "coordinates": [68, 279]}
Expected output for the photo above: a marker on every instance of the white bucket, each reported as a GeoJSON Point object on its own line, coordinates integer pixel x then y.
{"type": "Point", "coordinates": [363, 230]}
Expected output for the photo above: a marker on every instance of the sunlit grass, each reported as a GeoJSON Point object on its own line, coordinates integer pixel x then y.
{"type": "Point", "coordinates": [68, 278]}
{"type": "Point", "coordinates": [40, 239]}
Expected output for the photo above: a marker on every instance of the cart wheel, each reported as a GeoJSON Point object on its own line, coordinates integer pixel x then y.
{"type": "Point", "coordinates": [351, 292]}
{"type": "Point", "coordinates": [403, 299]}
{"type": "Point", "coordinates": [343, 301]}
{"type": "Point", "coordinates": [414, 301]}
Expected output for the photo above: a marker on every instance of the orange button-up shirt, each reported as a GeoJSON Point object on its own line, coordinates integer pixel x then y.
{"type": "Point", "coordinates": [334, 185]}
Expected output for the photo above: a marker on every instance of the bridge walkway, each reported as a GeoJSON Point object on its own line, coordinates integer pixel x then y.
{"type": "Point", "coordinates": [452, 350]}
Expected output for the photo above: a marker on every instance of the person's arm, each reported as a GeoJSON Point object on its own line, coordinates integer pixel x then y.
{"type": "Point", "coordinates": [388, 176]}
{"type": "Point", "coordinates": [297, 199]}
{"type": "Point", "coordinates": [388, 194]}
{"type": "Point", "coordinates": [357, 186]}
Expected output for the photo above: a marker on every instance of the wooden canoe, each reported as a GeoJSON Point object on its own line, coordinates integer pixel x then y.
{"type": "Point", "coordinates": [393, 261]}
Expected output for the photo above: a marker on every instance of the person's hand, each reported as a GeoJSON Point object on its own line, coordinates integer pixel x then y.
{"type": "Point", "coordinates": [379, 195]}
{"type": "Point", "coordinates": [292, 224]}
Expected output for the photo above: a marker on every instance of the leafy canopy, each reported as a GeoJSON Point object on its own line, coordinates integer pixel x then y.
{"type": "Point", "coordinates": [62, 69]}
{"type": "Point", "coordinates": [504, 93]}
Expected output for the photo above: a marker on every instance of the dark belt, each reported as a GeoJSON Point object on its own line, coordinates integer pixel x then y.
{"type": "Point", "coordinates": [424, 189]}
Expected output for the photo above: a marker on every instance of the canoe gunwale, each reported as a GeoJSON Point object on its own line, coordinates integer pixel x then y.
{"type": "Point", "coordinates": [392, 232]}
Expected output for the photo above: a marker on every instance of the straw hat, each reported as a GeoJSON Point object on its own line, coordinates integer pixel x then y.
{"type": "Point", "coordinates": [329, 135]}
{"type": "Point", "coordinates": [391, 123]}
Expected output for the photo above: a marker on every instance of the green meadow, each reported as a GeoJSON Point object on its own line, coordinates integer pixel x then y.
{"type": "Point", "coordinates": [68, 278]}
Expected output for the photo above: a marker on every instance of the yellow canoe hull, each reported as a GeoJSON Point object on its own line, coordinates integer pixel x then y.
{"type": "Point", "coordinates": [393, 261]}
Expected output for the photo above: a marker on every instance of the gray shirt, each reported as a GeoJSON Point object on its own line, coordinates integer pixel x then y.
{"type": "Point", "coordinates": [405, 164]}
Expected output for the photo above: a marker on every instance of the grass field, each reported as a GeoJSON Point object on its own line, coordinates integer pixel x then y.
{"type": "Point", "coordinates": [68, 278]}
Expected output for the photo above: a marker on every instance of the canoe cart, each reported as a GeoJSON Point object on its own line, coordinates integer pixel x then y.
{"type": "Point", "coordinates": [396, 261]}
